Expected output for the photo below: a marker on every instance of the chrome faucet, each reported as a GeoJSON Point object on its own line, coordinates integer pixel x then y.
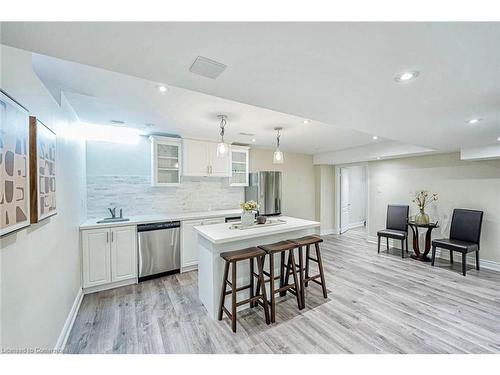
{"type": "Point", "coordinates": [113, 212]}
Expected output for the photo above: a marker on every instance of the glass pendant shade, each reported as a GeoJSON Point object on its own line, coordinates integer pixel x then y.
{"type": "Point", "coordinates": [221, 148]}
{"type": "Point", "coordinates": [278, 157]}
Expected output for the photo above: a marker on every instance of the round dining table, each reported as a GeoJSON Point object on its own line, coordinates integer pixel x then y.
{"type": "Point", "coordinates": [427, 247]}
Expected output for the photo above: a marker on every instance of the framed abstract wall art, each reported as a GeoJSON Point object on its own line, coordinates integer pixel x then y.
{"type": "Point", "coordinates": [14, 165]}
{"type": "Point", "coordinates": [42, 170]}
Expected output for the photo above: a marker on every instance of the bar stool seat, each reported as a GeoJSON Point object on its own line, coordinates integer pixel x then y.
{"type": "Point", "coordinates": [281, 248]}
{"type": "Point", "coordinates": [231, 258]}
{"type": "Point", "coordinates": [278, 247]}
{"type": "Point", "coordinates": [237, 255]}
{"type": "Point", "coordinates": [307, 241]}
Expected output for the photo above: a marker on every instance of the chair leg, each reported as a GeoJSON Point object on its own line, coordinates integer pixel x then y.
{"type": "Point", "coordinates": [301, 276]}
{"type": "Point", "coordinates": [282, 272]}
{"type": "Point", "coordinates": [451, 256]}
{"type": "Point", "coordinates": [406, 243]}
{"type": "Point", "coordinates": [252, 294]}
{"type": "Point", "coordinates": [477, 260]}
{"type": "Point", "coordinates": [271, 288]}
{"type": "Point", "coordinates": [464, 263]}
{"type": "Point", "coordinates": [295, 281]}
{"type": "Point", "coordinates": [433, 255]}
{"type": "Point", "coordinates": [307, 264]}
{"type": "Point", "coordinates": [321, 273]}
{"type": "Point", "coordinates": [223, 293]}
{"type": "Point", "coordinates": [402, 249]}
{"type": "Point", "coordinates": [387, 238]}
{"type": "Point", "coordinates": [233, 296]}
{"type": "Point", "coordinates": [378, 246]}
{"type": "Point", "coordinates": [260, 266]}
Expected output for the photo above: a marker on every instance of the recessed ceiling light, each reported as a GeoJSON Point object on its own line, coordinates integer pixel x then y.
{"type": "Point", "coordinates": [375, 137]}
{"type": "Point", "coordinates": [406, 76]}
{"type": "Point", "coordinates": [473, 121]}
{"type": "Point", "coordinates": [162, 88]}
{"type": "Point", "coordinates": [254, 140]}
{"type": "Point", "coordinates": [378, 157]}
{"type": "Point", "coordinates": [306, 121]}
{"type": "Point", "coordinates": [498, 139]}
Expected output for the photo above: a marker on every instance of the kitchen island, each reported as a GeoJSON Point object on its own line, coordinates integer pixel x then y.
{"type": "Point", "coordinates": [219, 238]}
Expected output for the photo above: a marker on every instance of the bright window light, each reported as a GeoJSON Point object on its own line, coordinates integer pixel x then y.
{"type": "Point", "coordinates": [103, 133]}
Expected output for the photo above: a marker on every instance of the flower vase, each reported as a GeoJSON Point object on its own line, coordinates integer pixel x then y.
{"type": "Point", "coordinates": [422, 218]}
{"type": "Point", "coordinates": [247, 218]}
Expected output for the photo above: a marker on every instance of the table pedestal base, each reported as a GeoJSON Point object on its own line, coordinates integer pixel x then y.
{"type": "Point", "coordinates": [421, 257]}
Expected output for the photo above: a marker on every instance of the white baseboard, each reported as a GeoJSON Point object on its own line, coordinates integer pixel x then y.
{"type": "Point", "coordinates": [483, 263]}
{"type": "Point", "coordinates": [324, 232]}
{"type": "Point", "coordinates": [356, 225]}
{"type": "Point", "coordinates": [68, 324]}
{"type": "Point", "coordinates": [117, 284]}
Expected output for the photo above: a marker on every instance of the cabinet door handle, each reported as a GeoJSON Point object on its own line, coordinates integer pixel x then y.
{"type": "Point", "coordinates": [107, 236]}
{"type": "Point", "coordinates": [112, 236]}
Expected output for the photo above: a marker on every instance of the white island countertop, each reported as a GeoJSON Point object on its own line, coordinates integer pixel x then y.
{"type": "Point", "coordinates": [221, 233]}
{"type": "Point", "coordinates": [158, 218]}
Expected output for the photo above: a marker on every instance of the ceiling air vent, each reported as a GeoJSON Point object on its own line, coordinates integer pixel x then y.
{"type": "Point", "coordinates": [207, 68]}
{"type": "Point", "coordinates": [117, 122]}
{"type": "Point", "coordinates": [246, 134]}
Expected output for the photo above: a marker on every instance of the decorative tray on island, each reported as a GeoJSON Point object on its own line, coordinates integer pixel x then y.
{"type": "Point", "coordinates": [268, 223]}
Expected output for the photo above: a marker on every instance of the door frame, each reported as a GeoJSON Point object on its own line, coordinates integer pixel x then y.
{"type": "Point", "coordinates": [337, 193]}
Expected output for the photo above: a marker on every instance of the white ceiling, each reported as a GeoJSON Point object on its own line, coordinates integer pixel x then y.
{"type": "Point", "coordinates": [99, 96]}
{"type": "Point", "coordinates": [340, 74]}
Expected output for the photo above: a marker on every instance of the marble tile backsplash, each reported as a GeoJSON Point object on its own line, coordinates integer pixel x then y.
{"type": "Point", "coordinates": [136, 196]}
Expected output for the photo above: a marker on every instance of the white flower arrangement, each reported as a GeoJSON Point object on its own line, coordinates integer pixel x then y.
{"type": "Point", "coordinates": [248, 206]}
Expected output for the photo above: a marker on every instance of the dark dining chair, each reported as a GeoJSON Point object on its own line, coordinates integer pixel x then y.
{"type": "Point", "coordinates": [396, 226]}
{"type": "Point", "coordinates": [465, 233]}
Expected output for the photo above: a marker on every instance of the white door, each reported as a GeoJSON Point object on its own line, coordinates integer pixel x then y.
{"type": "Point", "coordinates": [344, 200]}
{"type": "Point", "coordinates": [219, 164]}
{"type": "Point", "coordinates": [189, 243]}
{"type": "Point", "coordinates": [195, 158]}
{"type": "Point", "coordinates": [123, 253]}
{"type": "Point", "coordinates": [96, 257]}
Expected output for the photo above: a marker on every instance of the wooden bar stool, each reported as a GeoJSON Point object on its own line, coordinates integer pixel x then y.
{"type": "Point", "coordinates": [232, 258]}
{"type": "Point", "coordinates": [280, 248]}
{"type": "Point", "coordinates": [307, 241]}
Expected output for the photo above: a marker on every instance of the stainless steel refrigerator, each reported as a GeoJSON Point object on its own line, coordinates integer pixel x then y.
{"type": "Point", "coordinates": [265, 188]}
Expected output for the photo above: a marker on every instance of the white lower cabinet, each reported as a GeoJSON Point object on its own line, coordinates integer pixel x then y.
{"type": "Point", "coordinates": [189, 241]}
{"type": "Point", "coordinates": [109, 255]}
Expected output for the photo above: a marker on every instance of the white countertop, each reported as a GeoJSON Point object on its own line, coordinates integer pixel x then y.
{"type": "Point", "coordinates": [220, 233]}
{"type": "Point", "coordinates": [146, 219]}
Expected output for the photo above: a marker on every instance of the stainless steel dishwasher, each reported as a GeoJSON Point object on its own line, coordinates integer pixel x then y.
{"type": "Point", "coordinates": [159, 249]}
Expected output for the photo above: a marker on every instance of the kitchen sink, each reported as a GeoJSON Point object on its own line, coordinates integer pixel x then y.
{"type": "Point", "coordinates": [113, 220]}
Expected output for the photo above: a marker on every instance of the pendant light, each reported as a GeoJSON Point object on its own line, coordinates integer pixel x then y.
{"type": "Point", "coordinates": [222, 147]}
{"type": "Point", "coordinates": [278, 155]}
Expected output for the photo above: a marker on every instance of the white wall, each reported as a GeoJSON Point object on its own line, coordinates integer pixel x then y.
{"type": "Point", "coordinates": [460, 184]}
{"type": "Point", "coordinates": [40, 265]}
{"type": "Point", "coordinates": [357, 194]}
{"type": "Point", "coordinates": [325, 198]}
{"type": "Point", "coordinates": [298, 180]}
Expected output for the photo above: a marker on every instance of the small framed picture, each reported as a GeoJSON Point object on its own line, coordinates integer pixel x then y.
{"type": "Point", "coordinates": [14, 168]}
{"type": "Point", "coordinates": [43, 145]}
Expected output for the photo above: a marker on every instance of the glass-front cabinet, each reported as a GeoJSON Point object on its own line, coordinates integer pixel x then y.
{"type": "Point", "coordinates": [239, 166]}
{"type": "Point", "coordinates": [166, 159]}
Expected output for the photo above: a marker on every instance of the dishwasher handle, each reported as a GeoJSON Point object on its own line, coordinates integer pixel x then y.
{"type": "Point", "coordinates": [158, 226]}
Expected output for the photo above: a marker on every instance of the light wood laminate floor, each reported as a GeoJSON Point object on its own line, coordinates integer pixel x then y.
{"type": "Point", "coordinates": [376, 304]}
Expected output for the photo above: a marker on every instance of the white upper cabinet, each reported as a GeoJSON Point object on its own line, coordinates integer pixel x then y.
{"type": "Point", "coordinates": [195, 160]}
{"type": "Point", "coordinates": [239, 166]}
{"type": "Point", "coordinates": [166, 161]}
{"type": "Point", "coordinates": [201, 159]}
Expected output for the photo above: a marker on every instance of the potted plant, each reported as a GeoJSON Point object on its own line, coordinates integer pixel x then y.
{"type": "Point", "coordinates": [248, 214]}
{"type": "Point", "coordinates": [422, 199]}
